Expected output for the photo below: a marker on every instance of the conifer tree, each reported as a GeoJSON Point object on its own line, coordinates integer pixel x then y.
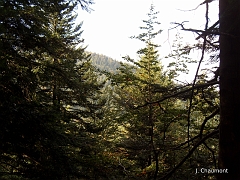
{"type": "Point", "coordinates": [49, 104]}
{"type": "Point", "coordinates": [146, 123]}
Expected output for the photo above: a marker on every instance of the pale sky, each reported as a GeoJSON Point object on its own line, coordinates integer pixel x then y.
{"type": "Point", "coordinates": [107, 29]}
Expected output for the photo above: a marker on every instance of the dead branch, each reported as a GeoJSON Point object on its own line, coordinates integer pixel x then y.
{"type": "Point", "coordinates": [204, 32]}
{"type": "Point", "coordinates": [210, 29]}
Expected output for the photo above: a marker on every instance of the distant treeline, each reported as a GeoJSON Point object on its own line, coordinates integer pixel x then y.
{"type": "Point", "coordinates": [103, 62]}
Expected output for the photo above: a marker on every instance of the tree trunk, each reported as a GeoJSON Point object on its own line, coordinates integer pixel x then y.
{"type": "Point", "coordinates": [229, 142]}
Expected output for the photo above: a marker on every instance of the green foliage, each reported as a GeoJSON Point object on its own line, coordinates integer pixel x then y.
{"type": "Point", "coordinates": [179, 58]}
{"type": "Point", "coordinates": [59, 119]}
{"type": "Point", "coordinates": [50, 108]}
{"type": "Point", "coordinates": [144, 122]}
{"type": "Point", "coordinates": [152, 134]}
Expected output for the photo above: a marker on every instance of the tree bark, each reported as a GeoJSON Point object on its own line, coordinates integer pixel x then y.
{"type": "Point", "coordinates": [229, 142]}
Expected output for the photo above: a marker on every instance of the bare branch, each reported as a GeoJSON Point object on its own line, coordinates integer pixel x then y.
{"type": "Point", "coordinates": [206, 120]}
{"type": "Point", "coordinates": [197, 86]}
{"type": "Point", "coordinates": [195, 78]}
{"type": "Point", "coordinates": [186, 142]}
{"type": "Point", "coordinates": [210, 29]}
{"type": "Point", "coordinates": [204, 2]}
{"type": "Point", "coordinates": [204, 32]}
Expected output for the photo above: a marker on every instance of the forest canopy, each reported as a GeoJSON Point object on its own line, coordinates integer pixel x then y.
{"type": "Point", "coordinates": [67, 113]}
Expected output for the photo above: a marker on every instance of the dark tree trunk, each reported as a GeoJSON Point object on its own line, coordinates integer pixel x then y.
{"type": "Point", "coordinates": [229, 143]}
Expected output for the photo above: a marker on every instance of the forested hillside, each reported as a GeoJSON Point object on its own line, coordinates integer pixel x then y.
{"type": "Point", "coordinates": [104, 62]}
{"type": "Point", "coordinates": [70, 114]}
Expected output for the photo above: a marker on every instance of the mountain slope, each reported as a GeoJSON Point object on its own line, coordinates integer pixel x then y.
{"type": "Point", "coordinates": [103, 62]}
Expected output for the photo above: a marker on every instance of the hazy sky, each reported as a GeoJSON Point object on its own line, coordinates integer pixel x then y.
{"type": "Point", "coordinates": [107, 29]}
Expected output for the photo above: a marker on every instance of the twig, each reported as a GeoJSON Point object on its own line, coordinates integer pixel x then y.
{"type": "Point", "coordinates": [204, 2]}
{"type": "Point", "coordinates": [124, 169]}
